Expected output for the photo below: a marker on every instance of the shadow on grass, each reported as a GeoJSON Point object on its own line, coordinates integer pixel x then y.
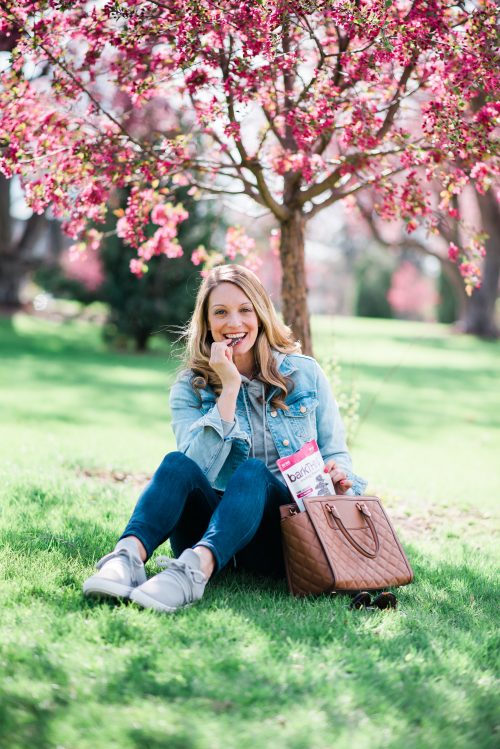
{"type": "Point", "coordinates": [26, 718]}
{"type": "Point", "coordinates": [238, 651]}
{"type": "Point", "coordinates": [88, 371]}
{"type": "Point", "coordinates": [458, 592]}
{"type": "Point", "coordinates": [25, 722]}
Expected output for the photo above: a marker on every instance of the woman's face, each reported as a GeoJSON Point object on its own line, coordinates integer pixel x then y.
{"type": "Point", "coordinates": [231, 315]}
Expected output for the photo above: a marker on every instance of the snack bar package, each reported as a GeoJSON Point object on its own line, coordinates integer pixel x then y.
{"type": "Point", "coordinates": [304, 474]}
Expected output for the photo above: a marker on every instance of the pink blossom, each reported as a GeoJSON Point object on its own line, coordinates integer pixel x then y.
{"type": "Point", "coordinates": [84, 267]}
{"type": "Point", "coordinates": [123, 228]}
{"type": "Point", "coordinates": [196, 79]}
{"type": "Point", "coordinates": [482, 176]}
{"type": "Point", "coordinates": [237, 242]}
{"type": "Point", "coordinates": [453, 252]}
{"type": "Point", "coordinates": [164, 213]}
{"type": "Point", "coordinates": [338, 115]}
{"type": "Point", "coordinates": [274, 242]}
{"type": "Point", "coordinates": [163, 242]}
{"type": "Point", "coordinates": [93, 239]}
{"type": "Point", "coordinates": [199, 255]}
{"type": "Point", "coordinates": [253, 262]}
{"type": "Point", "coordinates": [412, 294]}
{"type": "Point", "coordinates": [138, 267]}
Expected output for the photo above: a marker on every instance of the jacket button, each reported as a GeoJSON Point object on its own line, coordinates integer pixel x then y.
{"type": "Point", "coordinates": [286, 442]}
{"type": "Point", "coordinates": [303, 409]}
{"type": "Point", "coordinates": [274, 414]}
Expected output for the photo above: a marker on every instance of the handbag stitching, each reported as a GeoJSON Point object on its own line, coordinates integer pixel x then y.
{"type": "Point", "coordinates": [301, 584]}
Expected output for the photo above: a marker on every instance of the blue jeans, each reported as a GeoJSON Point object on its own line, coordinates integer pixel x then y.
{"type": "Point", "coordinates": [179, 504]}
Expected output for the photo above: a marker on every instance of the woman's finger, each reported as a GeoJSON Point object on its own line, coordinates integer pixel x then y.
{"type": "Point", "coordinates": [337, 475]}
{"type": "Point", "coordinates": [329, 466]}
{"type": "Point", "coordinates": [342, 486]}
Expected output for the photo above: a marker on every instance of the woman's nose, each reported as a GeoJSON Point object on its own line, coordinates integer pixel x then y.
{"type": "Point", "coordinates": [234, 319]}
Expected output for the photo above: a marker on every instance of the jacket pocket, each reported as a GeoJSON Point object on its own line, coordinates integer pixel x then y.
{"type": "Point", "coordinates": [300, 419]}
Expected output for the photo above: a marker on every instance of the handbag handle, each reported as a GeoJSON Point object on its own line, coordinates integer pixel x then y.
{"type": "Point", "coordinates": [366, 512]}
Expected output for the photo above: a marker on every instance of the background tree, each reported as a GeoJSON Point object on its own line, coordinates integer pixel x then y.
{"type": "Point", "coordinates": [17, 257]}
{"type": "Point", "coordinates": [295, 104]}
{"type": "Point", "coordinates": [161, 300]}
{"type": "Point", "coordinates": [480, 212]}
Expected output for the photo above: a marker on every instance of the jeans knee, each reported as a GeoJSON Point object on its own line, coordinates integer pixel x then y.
{"type": "Point", "coordinates": [175, 461]}
{"type": "Point", "coordinates": [255, 476]}
{"type": "Point", "coordinates": [251, 470]}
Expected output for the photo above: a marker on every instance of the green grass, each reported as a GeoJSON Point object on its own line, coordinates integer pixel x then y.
{"type": "Point", "coordinates": [248, 666]}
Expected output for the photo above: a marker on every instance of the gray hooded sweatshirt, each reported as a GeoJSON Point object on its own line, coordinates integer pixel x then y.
{"type": "Point", "coordinates": [263, 447]}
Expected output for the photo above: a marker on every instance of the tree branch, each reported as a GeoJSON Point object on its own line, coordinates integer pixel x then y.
{"type": "Point", "coordinates": [84, 90]}
{"type": "Point", "coordinates": [404, 243]}
{"type": "Point", "coordinates": [215, 190]}
{"type": "Point", "coordinates": [273, 127]}
{"type": "Point", "coordinates": [396, 100]}
{"type": "Point", "coordinates": [338, 195]}
{"type": "Point", "coordinates": [280, 211]}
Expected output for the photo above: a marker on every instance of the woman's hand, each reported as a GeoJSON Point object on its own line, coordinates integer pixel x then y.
{"type": "Point", "coordinates": [221, 361]}
{"type": "Point", "coordinates": [338, 476]}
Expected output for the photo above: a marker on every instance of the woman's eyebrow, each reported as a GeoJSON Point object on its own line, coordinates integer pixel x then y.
{"type": "Point", "coordinates": [239, 305]}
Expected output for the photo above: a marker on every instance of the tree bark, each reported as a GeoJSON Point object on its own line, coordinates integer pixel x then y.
{"type": "Point", "coordinates": [479, 318]}
{"type": "Point", "coordinates": [294, 287]}
{"type": "Point", "coordinates": [16, 257]}
{"type": "Point", "coordinates": [452, 273]}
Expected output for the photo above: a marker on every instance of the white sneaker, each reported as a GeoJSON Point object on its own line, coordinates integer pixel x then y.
{"type": "Point", "coordinates": [181, 584]}
{"type": "Point", "coordinates": [119, 572]}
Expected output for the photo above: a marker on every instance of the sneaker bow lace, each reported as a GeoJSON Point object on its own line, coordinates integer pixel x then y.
{"type": "Point", "coordinates": [175, 566]}
{"type": "Point", "coordinates": [135, 563]}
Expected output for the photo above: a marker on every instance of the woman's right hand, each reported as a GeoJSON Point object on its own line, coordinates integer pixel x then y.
{"type": "Point", "coordinates": [221, 361]}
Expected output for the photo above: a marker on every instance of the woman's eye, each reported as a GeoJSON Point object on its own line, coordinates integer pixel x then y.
{"type": "Point", "coordinates": [219, 312]}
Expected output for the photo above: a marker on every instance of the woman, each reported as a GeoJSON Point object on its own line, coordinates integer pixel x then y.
{"type": "Point", "coordinates": [246, 398]}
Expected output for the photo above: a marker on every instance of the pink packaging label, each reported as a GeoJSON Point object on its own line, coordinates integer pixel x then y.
{"type": "Point", "coordinates": [304, 474]}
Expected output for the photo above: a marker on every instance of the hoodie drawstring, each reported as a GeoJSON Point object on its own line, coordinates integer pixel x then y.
{"type": "Point", "coordinates": [264, 436]}
{"type": "Point", "coordinates": [249, 419]}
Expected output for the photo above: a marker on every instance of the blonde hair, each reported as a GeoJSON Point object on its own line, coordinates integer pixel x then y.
{"type": "Point", "coordinates": [273, 334]}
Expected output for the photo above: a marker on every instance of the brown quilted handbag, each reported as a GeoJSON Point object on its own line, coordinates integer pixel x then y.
{"type": "Point", "coordinates": [341, 544]}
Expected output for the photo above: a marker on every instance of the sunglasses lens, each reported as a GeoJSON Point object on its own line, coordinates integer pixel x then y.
{"type": "Point", "coordinates": [385, 601]}
{"type": "Point", "coordinates": [361, 600]}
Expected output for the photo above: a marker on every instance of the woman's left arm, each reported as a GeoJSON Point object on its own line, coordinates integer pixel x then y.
{"type": "Point", "coordinates": [331, 434]}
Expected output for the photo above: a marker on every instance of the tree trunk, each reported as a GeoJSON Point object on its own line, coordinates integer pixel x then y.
{"type": "Point", "coordinates": [16, 257]}
{"type": "Point", "coordinates": [452, 273]}
{"type": "Point", "coordinates": [141, 338]}
{"type": "Point", "coordinates": [12, 277]}
{"type": "Point", "coordinates": [11, 267]}
{"type": "Point", "coordinates": [293, 287]}
{"type": "Point", "coordinates": [479, 316]}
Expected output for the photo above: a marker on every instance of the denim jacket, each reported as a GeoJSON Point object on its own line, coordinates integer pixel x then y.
{"type": "Point", "coordinates": [312, 414]}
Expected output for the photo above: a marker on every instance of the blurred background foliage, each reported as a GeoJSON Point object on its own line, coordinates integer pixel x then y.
{"type": "Point", "coordinates": [350, 271]}
{"type": "Point", "coordinates": [160, 302]}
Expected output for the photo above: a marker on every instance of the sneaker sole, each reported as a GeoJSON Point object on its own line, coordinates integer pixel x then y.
{"type": "Point", "coordinates": [99, 587]}
{"type": "Point", "coordinates": [138, 596]}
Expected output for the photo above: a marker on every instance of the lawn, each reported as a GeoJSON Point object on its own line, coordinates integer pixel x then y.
{"type": "Point", "coordinates": [81, 428]}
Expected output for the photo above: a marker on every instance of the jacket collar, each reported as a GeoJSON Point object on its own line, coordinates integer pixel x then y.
{"type": "Point", "coordinates": [285, 366]}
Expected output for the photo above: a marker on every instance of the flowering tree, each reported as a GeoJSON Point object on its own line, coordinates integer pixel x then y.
{"type": "Point", "coordinates": [411, 293]}
{"type": "Point", "coordinates": [295, 104]}
{"type": "Point", "coordinates": [474, 221]}
{"type": "Point", "coordinates": [16, 248]}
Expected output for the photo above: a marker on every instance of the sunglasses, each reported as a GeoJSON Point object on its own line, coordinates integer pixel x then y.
{"type": "Point", "coordinates": [363, 600]}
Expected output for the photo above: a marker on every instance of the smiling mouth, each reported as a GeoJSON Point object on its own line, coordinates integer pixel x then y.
{"type": "Point", "coordinates": [235, 339]}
